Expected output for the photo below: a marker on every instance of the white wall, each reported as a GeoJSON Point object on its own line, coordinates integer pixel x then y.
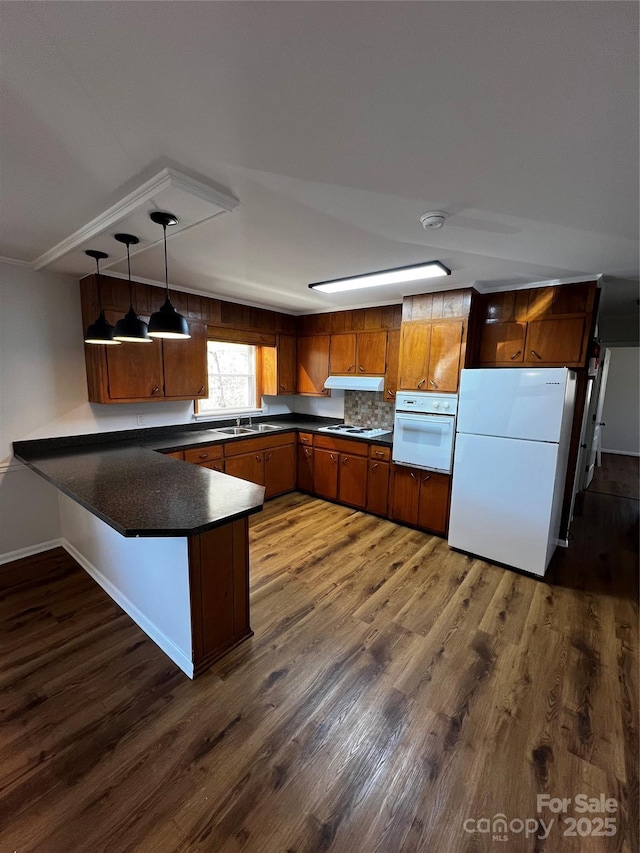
{"type": "Point", "coordinates": [147, 577]}
{"type": "Point", "coordinates": [326, 407]}
{"type": "Point", "coordinates": [622, 402]}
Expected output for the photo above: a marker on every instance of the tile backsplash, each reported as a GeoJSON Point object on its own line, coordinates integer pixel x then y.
{"type": "Point", "coordinates": [367, 408]}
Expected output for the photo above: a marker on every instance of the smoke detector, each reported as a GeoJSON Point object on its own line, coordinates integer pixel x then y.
{"type": "Point", "coordinates": [435, 219]}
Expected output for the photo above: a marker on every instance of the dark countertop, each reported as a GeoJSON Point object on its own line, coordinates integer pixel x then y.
{"type": "Point", "coordinates": [121, 479]}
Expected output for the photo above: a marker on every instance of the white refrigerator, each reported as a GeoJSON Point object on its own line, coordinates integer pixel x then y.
{"type": "Point", "coordinates": [510, 464]}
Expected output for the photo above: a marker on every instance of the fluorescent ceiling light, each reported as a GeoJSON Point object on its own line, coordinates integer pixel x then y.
{"type": "Point", "coordinates": [376, 279]}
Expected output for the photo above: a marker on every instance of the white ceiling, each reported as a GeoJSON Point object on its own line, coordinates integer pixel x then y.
{"type": "Point", "coordinates": [336, 125]}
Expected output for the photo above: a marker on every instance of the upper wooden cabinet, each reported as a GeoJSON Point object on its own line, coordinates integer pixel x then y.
{"type": "Point", "coordinates": [433, 340]}
{"type": "Point", "coordinates": [362, 353]}
{"type": "Point", "coordinates": [132, 372]}
{"type": "Point", "coordinates": [278, 367]}
{"type": "Point", "coordinates": [430, 355]}
{"type": "Point", "coordinates": [313, 365]}
{"type": "Point", "coordinates": [545, 326]}
{"type": "Point", "coordinates": [391, 373]}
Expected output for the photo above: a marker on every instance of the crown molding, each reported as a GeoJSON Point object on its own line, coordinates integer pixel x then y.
{"type": "Point", "coordinates": [16, 262]}
{"type": "Point", "coordinates": [166, 179]}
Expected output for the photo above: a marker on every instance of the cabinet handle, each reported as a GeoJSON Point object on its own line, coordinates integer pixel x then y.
{"type": "Point", "coordinates": [351, 368]}
{"type": "Point", "coordinates": [421, 383]}
{"type": "Point", "coordinates": [332, 457]}
{"type": "Point", "coordinates": [155, 389]}
{"type": "Point", "coordinates": [374, 466]}
{"type": "Point", "coordinates": [282, 386]}
{"type": "Point", "coordinates": [390, 392]}
{"type": "Point", "coordinates": [268, 456]}
{"type": "Point", "coordinates": [361, 368]}
{"type": "Point", "coordinates": [516, 354]}
{"type": "Point", "coordinates": [413, 476]}
{"type": "Point", "coordinates": [424, 479]}
{"type": "Point", "coordinates": [217, 467]}
{"type": "Point", "coordinates": [304, 440]}
{"type": "Point", "coordinates": [204, 456]}
{"type": "Point", "coordinates": [307, 452]}
{"type": "Point", "coordinates": [379, 452]}
{"type": "Point", "coordinates": [435, 384]}
{"type": "Point", "coordinates": [258, 458]}
{"type": "Point", "coordinates": [201, 389]}
{"type": "Point", "coordinates": [344, 460]}
{"type": "Point", "coordinates": [533, 352]}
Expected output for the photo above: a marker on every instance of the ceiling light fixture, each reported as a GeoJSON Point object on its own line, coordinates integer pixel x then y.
{"type": "Point", "coordinates": [416, 272]}
{"type": "Point", "coordinates": [167, 323]}
{"type": "Point", "coordinates": [100, 332]}
{"type": "Point", "coordinates": [130, 328]}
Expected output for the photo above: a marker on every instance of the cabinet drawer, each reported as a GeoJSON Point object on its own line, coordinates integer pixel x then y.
{"type": "Point", "coordinates": [199, 455]}
{"type": "Point", "coordinates": [255, 445]}
{"type": "Point", "coordinates": [305, 438]}
{"type": "Point", "coordinates": [342, 445]}
{"type": "Point", "coordinates": [381, 453]}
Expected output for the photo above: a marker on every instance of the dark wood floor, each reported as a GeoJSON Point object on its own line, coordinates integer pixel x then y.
{"type": "Point", "coordinates": [393, 690]}
{"type": "Point", "coordinates": [618, 475]}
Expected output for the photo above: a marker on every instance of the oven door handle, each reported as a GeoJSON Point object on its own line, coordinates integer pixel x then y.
{"type": "Point", "coordinates": [412, 416]}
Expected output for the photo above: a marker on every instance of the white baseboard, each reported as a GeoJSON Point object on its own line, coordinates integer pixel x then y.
{"type": "Point", "coordinates": [167, 646]}
{"type": "Point", "coordinates": [10, 556]}
{"type": "Point", "coordinates": [620, 452]}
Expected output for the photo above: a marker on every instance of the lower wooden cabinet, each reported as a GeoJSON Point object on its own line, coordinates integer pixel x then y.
{"type": "Point", "coordinates": [420, 498]}
{"type": "Point", "coordinates": [209, 456]}
{"type": "Point", "coordinates": [325, 473]}
{"type": "Point", "coordinates": [279, 470]}
{"type": "Point", "coordinates": [247, 466]}
{"type": "Point", "coordinates": [352, 480]}
{"type": "Point", "coordinates": [304, 474]}
{"type": "Point", "coordinates": [378, 487]}
{"type": "Point", "coordinates": [268, 461]}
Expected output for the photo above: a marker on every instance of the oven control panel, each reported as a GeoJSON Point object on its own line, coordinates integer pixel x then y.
{"type": "Point", "coordinates": [426, 403]}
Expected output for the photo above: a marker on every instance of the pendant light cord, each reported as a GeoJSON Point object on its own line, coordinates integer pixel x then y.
{"type": "Point", "coordinates": [99, 288]}
{"type": "Point", "coordinates": [129, 274]}
{"type": "Point", "coordinates": [166, 267]}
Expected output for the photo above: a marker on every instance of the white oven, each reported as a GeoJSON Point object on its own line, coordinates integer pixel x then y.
{"type": "Point", "coordinates": [424, 430]}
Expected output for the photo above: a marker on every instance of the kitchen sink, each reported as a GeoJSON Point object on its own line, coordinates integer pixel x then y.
{"type": "Point", "coordinates": [266, 427]}
{"type": "Point", "coordinates": [235, 430]}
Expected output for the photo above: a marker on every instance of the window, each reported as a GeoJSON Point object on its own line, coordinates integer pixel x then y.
{"type": "Point", "coordinates": [232, 378]}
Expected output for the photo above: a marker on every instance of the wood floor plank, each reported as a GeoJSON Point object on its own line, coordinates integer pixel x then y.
{"type": "Point", "coordinates": [393, 689]}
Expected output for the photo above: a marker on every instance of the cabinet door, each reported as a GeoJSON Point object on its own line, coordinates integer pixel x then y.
{"type": "Point", "coordinates": [342, 358]}
{"type": "Point", "coordinates": [502, 343]}
{"type": "Point", "coordinates": [404, 494]}
{"type": "Point", "coordinates": [185, 364]}
{"type": "Point", "coordinates": [415, 339]}
{"type": "Point", "coordinates": [279, 470]}
{"type": "Point", "coordinates": [325, 473]}
{"type": "Point", "coordinates": [246, 466]}
{"type": "Point", "coordinates": [555, 342]}
{"type": "Point", "coordinates": [286, 364]}
{"type": "Point", "coordinates": [378, 487]}
{"type": "Point", "coordinates": [134, 370]}
{"type": "Point", "coordinates": [433, 507]}
{"type": "Point", "coordinates": [372, 353]}
{"type": "Point", "coordinates": [391, 373]}
{"type": "Point", "coordinates": [313, 365]}
{"type": "Point", "coordinates": [305, 468]}
{"type": "Point", "coordinates": [353, 480]}
{"type": "Point", "coordinates": [444, 356]}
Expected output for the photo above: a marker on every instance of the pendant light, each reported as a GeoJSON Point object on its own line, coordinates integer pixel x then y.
{"type": "Point", "coordinates": [167, 323]}
{"type": "Point", "coordinates": [100, 332]}
{"type": "Point", "coordinates": [130, 328]}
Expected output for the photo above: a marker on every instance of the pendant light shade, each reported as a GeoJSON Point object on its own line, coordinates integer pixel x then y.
{"type": "Point", "coordinates": [130, 328]}
{"type": "Point", "coordinates": [167, 323]}
{"type": "Point", "coordinates": [100, 332]}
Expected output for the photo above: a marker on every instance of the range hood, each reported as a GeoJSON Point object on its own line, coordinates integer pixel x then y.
{"type": "Point", "coordinates": [355, 383]}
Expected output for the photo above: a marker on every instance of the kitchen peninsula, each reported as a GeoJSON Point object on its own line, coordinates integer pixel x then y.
{"type": "Point", "coordinates": [166, 540]}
